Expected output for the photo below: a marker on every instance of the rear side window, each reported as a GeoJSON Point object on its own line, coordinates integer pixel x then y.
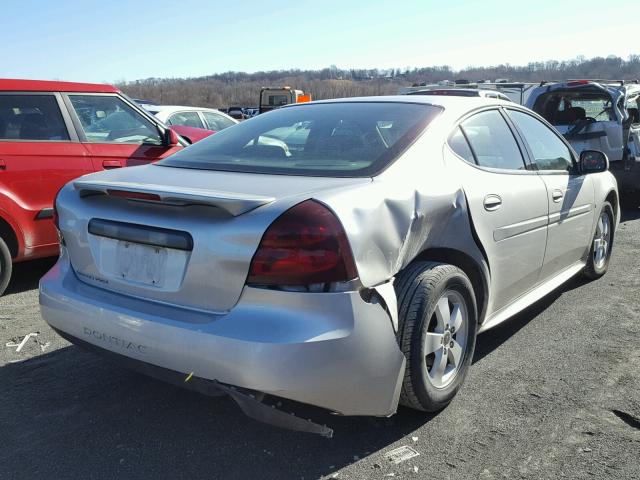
{"type": "Point", "coordinates": [31, 117]}
{"type": "Point", "coordinates": [108, 119]}
{"type": "Point", "coordinates": [492, 142]}
{"type": "Point", "coordinates": [217, 122]}
{"type": "Point", "coordinates": [459, 145]}
{"type": "Point", "coordinates": [327, 139]}
{"type": "Point", "coordinates": [549, 152]}
{"type": "Point", "coordinates": [187, 119]}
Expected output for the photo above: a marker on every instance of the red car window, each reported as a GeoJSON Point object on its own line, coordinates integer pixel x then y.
{"type": "Point", "coordinates": [31, 117]}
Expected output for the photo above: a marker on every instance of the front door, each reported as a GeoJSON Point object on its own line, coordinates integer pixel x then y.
{"type": "Point", "coordinates": [114, 133]}
{"type": "Point", "coordinates": [508, 204]}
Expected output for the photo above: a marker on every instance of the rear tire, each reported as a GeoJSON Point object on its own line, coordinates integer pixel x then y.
{"type": "Point", "coordinates": [600, 251]}
{"type": "Point", "coordinates": [437, 323]}
{"type": "Point", "coordinates": [6, 266]}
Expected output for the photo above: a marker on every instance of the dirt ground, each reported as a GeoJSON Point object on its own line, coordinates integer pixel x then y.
{"type": "Point", "coordinates": [553, 393]}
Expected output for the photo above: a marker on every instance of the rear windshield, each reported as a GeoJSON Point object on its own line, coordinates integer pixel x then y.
{"type": "Point", "coordinates": [572, 106]}
{"type": "Point", "coordinates": [347, 139]}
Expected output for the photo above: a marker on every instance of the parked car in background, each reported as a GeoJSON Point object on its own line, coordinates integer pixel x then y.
{"type": "Point", "coordinates": [461, 92]}
{"type": "Point", "coordinates": [342, 253]}
{"type": "Point", "coordinates": [251, 112]}
{"type": "Point", "coordinates": [53, 132]}
{"type": "Point", "coordinates": [192, 123]}
{"type": "Point", "coordinates": [517, 92]}
{"type": "Point", "coordinates": [602, 115]}
{"type": "Point", "coordinates": [237, 113]}
{"type": "Point", "coordinates": [144, 103]}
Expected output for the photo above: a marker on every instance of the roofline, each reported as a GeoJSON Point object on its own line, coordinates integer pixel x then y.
{"type": "Point", "coordinates": [23, 85]}
{"type": "Point", "coordinates": [155, 106]}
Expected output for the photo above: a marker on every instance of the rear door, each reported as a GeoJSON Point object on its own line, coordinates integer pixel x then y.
{"type": "Point", "coordinates": [508, 203]}
{"type": "Point", "coordinates": [570, 195]}
{"type": "Point", "coordinates": [39, 153]}
{"type": "Point", "coordinates": [114, 132]}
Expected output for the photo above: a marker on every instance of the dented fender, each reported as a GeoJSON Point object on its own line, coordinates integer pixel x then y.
{"type": "Point", "coordinates": [390, 222]}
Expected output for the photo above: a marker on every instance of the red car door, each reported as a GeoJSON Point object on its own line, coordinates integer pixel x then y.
{"type": "Point", "coordinates": [39, 153]}
{"type": "Point", "coordinates": [114, 132]}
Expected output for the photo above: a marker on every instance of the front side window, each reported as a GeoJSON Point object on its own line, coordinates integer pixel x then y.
{"type": "Point", "coordinates": [492, 142]}
{"type": "Point", "coordinates": [549, 152]}
{"type": "Point", "coordinates": [31, 117]}
{"type": "Point", "coordinates": [108, 119]}
{"type": "Point", "coordinates": [217, 122]}
{"type": "Point", "coordinates": [344, 139]}
{"type": "Point", "coordinates": [187, 119]}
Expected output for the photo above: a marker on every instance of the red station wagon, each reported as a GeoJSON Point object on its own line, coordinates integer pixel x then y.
{"type": "Point", "coordinates": [51, 133]}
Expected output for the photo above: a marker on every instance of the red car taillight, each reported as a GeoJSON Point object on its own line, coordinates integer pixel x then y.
{"type": "Point", "coordinates": [305, 245]}
{"type": "Point", "coordinates": [56, 219]}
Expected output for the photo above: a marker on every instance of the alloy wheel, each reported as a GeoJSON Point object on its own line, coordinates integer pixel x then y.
{"type": "Point", "coordinates": [446, 339]}
{"type": "Point", "coordinates": [602, 240]}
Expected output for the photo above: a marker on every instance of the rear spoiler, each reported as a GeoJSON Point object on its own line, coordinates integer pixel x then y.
{"type": "Point", "coordinates": [233, 203]}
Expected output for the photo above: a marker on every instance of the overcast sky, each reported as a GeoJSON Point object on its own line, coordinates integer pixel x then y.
{"type": "Point", "coordinates": [106, 41]}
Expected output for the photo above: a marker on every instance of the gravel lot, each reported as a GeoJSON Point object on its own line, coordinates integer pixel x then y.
{"type": "Point", "coordinates": [553, 393]}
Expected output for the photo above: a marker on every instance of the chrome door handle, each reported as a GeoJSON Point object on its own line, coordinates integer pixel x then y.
{"type": "Point", "coordinates": [557, 195]}
{"type": "Point", "coordinates": [3, 165]}
{"type": "Point", "coordinates": [492, 202]}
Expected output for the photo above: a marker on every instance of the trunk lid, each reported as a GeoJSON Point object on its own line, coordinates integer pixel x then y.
{"type": "Point", "coordinates": [179, 236]}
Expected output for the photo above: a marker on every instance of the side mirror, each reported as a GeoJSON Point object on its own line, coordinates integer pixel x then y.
{"type": "Point", "coordinates": [593, 161]}
{"type": "Point", "coordinates": [171, 138]}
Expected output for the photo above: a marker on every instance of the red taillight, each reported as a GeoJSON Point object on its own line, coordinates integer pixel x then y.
{"type": "Point", "coordinates": [576, 83]}
{"type": "Point", "coordinates": [56, 220]}
{"type": "Point", "coordinates": [305, 245]}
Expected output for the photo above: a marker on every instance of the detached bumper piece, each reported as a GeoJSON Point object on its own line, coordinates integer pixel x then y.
{"type": "Point", "coordinates": [270, 414]}
{"type": "Point", "coordinates": [250, 402]}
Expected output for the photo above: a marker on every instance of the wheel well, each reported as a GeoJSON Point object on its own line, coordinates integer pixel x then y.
{"type": "Point", "coordinates": [469, 266]}
{"type": "Point", "coordinates": [9, 237]}
{"type": "Point", "coordinates": [612, 198]}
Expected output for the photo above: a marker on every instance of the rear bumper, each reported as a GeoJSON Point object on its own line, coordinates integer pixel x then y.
{"type": "Point", "coordinates": [331, 350]}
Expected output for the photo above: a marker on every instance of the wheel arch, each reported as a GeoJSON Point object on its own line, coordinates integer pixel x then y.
{"type": "Point", "coordinates": [612, 198]}
{"type": "Point", "coordinates": [469, 266]}
{"type": "Point", "coordinates": [10, 237]}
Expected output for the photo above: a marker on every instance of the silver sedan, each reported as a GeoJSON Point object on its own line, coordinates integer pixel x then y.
{"type": "Point", "coordinates": [342, 254]}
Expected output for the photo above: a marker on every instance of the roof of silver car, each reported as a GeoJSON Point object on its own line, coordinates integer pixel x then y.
{"type": "Point", "coordinates": [446, 102]}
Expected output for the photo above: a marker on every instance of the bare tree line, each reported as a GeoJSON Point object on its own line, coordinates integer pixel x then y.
{"type": "Point", "coordinates": [240, 88]}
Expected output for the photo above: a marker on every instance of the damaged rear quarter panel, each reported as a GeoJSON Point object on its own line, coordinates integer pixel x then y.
{"type": "Point", "coordinates": [414, 205]}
